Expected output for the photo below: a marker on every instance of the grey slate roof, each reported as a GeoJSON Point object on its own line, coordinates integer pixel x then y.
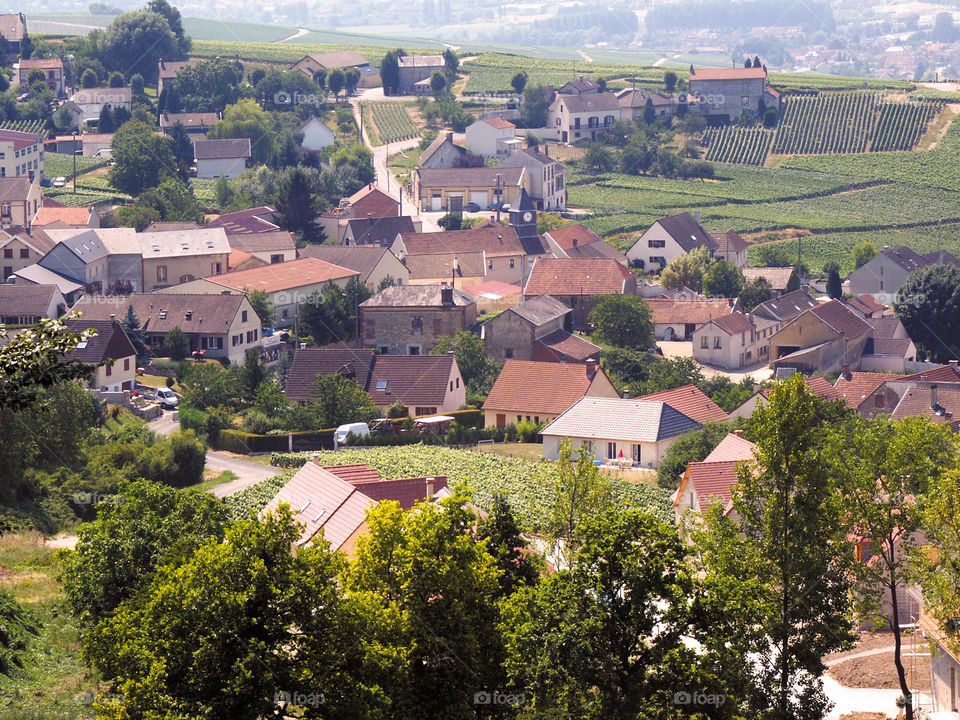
{"type": "Point", "coordinates": [222, 149]}
{"type": "Point", "coordinates": [687, 232]}
{"type": "Point", "coordinates": [414, 296]}
{"type": "Point", "coordinates": [25, 300]}
{"type": "Point", "coordinates": [617, 419]}
{"type": "Point", "coordinates": [786, 307]}
{"type": "Point", "coordinates": [541, 309]}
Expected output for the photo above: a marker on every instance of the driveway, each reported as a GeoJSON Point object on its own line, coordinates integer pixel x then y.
{"type": "Point", "coordinates": [680, 348]}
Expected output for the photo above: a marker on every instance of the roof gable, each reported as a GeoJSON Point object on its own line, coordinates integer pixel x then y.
{"type": "Point", "coordinates": [538, 387]}
{"type": "Point", "coordinates": [601, 418]}
{"type": "Point", "coordinates": [577, 276]}
{"type": "Point", "coordinates": [691, 401]}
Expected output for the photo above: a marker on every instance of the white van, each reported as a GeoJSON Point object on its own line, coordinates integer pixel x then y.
{"type": "Point", "coordinates": [168, 399]}
{"type": "Point", "coordinates": [340, 436]}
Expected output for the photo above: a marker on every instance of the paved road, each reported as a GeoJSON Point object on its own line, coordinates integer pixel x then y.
{"type": "Point", "coordinates": [248, 473]}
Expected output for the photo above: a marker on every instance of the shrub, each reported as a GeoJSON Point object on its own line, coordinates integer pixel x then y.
{"type": "Point", "coordinates": [170, 382]}
{"type": "Point", "coordinates": [528, 432]}
{"type": "Point", "coordinates": [258, 423]}
{"type": "Point", "coordinates": [193, 419]}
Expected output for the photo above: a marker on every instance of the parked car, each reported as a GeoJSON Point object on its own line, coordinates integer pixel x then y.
{"type": "Point", "coordinates": [168, 398]}
{"type": "Point", "coordinates": [471, 207]}
{"type": "Point", "coordinates": [358, 429]}
{"type": "Point", "coordinates": [60, 181]}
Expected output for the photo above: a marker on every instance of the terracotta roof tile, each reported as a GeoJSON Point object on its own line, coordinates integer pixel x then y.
{"type": "Point", "coordinates": [577, 276]}
{"type": "Point", "coordinates": [70, 215]}
{"type": "Point", "coordinates": [840, 318]}
{"type": "Point", "coordinates": [564, 346]}
{"type": "Point", "coordinates": [778, 277]}
{"type": "Point", "coordinates": [728, 74]}
{"type": "Point", "coordinates": [732, 447]}
{"type": "Point", "coordinates": [866, 304]}
{"type": "Point", "coordinates": [571, 235]}
{"type": "Point", "coordinates": [944, 373]}
{"type": "Point", "coordinates": [691, 401]}
{"type": "Point", "coordinates": [405, 491]}
{"type": "Point", "coordinates": [538, 387]}
{"type": "Point", "coordinates": [729, 241]}
{"type": "Point", "coordinates": [160, 313]}
{"type": "Point", "coordinates": [819, 386]}
{"type": "Point", "coordinates": [941, 407]}
{"type": "Point", "coordinates": [713, 482]}
{"type": "Point", "coordinates": [856, 387]}
{"type": "Point", "coordinates": [679, 311]}
{"type": "Point", "coordinates": [734, 323]}
{"type": "Point", "coordinates": [354, 474]}
{"type": "Point", "coordinates": [499, 123]}
{"type": "Point", "coordinates": [283, 276]}
{"type": "Point", "coordinates": [495, 241]}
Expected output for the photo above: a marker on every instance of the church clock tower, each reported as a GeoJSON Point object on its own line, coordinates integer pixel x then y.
{"type": "Point", "coordinates": [523, 218]}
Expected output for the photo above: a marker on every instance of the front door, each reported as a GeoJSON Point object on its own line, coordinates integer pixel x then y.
{"type": "Point", "coordinates": [456, 203]}
{"type": "Point", "coordinates": [688, 330]}
{"type": "Point", "coordinates": [501, 420]}
{"type": "Point", "coordinates": [435, 203]}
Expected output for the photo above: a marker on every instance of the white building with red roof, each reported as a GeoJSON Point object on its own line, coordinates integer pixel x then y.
{"type": "Point", "coordinates": [492, 137]}
{"type": "Point", "coordinates": [712, 480]}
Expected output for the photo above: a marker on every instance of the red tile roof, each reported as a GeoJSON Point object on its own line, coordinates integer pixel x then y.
{"type": "Point", "coordinates": [734, 323]}
{"type": "Point", "coordinates": [729, 241]}
{"type": "Point", "coordinates": [577, 276]}
{"type": "Point", "coordinates": [538, 387]}
{"type": "Point", "coordinates": [371, 201]}
{"type": "Point", "coordinates": [856, 387]}
{"type": "Point", "coordinates": [819, 386]}
{"type": "Point", "coordinates": [405, 491]}
{"type": "Point", "coordinates": [679, 311]}
{"type": "Point", "coordinates": [354, 474]}
{"type": "Point", "coordinates": [840, 318]}
{"type": "Point", "coordinates": [728, 73]}
{"type": "Point", "coordinates": [573, 235]}
{"type": "Point", "coordinates": [944, 373]}
{"type": "Point", "coordinates": [778, 277]}
{"type": "Point", "coordinates": [495, 241]}
{"type": "Point", "coordinates": [713, 482]}
{"type": "Point", "coordinates": [68, 215]}
{"type": "Point", "coordinates": [732, 447]}
{"type": "Point", "coordinates": [283, 276]}
{"type": "Point", "coordinates": [322, 501]}
{"type": "Point", "coordinates": [866, 304]}
{"type": "Point", "coordinates": [944, 407]}
{"type": "Point", "coordinates": [499, 123]}
{"type": "Point", "coordinates": [560, 346]}
{"type": "Point", "coordinates": [692, 402]}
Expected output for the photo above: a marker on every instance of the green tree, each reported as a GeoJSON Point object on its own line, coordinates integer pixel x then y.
{"type": "Point", "coordinates": [172, 200]}
{"type": "Point", "coordinates": [623, 321]}
{"type": "Point", "coordinates": [89, 79]}
{"type": "Point", "coordinates": [173, 649]}
{"type": "Point", "coordinates": [386, 282]}
{"type": "Point", "coordinates": [135, 41]}
{"type": "Point", "coordinates": [928, 305]}
{"type": "Point", "coordinates": [432, 588]}
{"type": "Point", "coordinates": [177, 460]}
{"type": "Point", "coordinates": [940, 571]}
{"type": "Point", "coordinates": [224, 193]}
{"type": "Point", "coordinates": [533, 109]}
{"type": "Point", "coordinates": [723, 279]}
{"type": "Point", "coordinates": [687, 270]}
{"type": "Point", "coordinates": [133, 329]}
{"type": "Point", "coordinates": [341, 400]}
{"type": "Point", "coordinates": [579, 492]}
{"type": "Point", "coordinates": [834, 284]}
{"type": "Point", "coordinates": [478, 371]}
{"type": "Point", "coordinates": [182, 148]}
{"type": "Point", "coordinates": [791, 514]}
{"type": "Point", "coordinates": [136, 84]}
{"type": "Point", "coordinates": [253, 373]}
{"type": "Point", "coordinates": [261, 306]}
{"type": "Point", "coordinates": [519, 567]}
{"type": "Point", "coordinates": [246, 119]}
{"type": "Point", "coordinates": [605, 638]}
{"type": "Point", "coordinates": [336, 81]}
{"type": "Point", "coordinates": [692, 447]}
{"type": "Point", "coordinates": [206, 385]}
{"type": "Point", "coordinates": [649, 112]}
{"type": "Point", "coordinates": [105, 121]}
{"type": "Point", "coordinates": [598, 158]}
{"type": "Point", "coordinates": [519, 81]}
{"type": "Point", "coordinates": [754, 292]}
{"type": "Point", "coordinates": [208, 86]}
{"type": "Point", "coordinates": [862, 253]}
{"type": "Point", "coordinates": [889, 467]}
{"type": "Point", "coordinates": [351, 78]}
{"type": "Point", "coordinates": [451, 63]}
{"type": "Point", "coordinates": [141, 158]}
{"type": "Point", "coordinates": [116, 80]}
{"type": "Point", "coordinates": [133, 532]}
{"type": "Point", "coordinates": [36, 358]}
{"type": "Point", "coordinates": [390, 71]}
{"type": "Point", "coordinates": [793, 282]}
{"type": "Point", "coordinates": [670, 81]}
{"type": "Point", "coordinates": [438, 83]}
{"type": "Point", "coordinates": [297, 204]}
{"type": "Point", "coordinates": [172, 16]}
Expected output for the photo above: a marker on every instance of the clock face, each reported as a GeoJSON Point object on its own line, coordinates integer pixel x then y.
{"type": "Point", "coordinates": [527, 216]}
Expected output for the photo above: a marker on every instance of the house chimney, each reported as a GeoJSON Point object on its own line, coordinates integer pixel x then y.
{"type": "Point", "coordinates": [696, 216]}
{"type": "Point", "coordinates": [591, 367]}
{"type": "Point", "coordinates": [429, 487]}
{"type": "Point", "coordinates": [446, 295]}
{"type": "Point", "coordinates": [845, 371]}
{"type": "Point", "coordinates": [953, 365]}
{"type": "Point", "coordinates": [303, 346]}
{"type": "Point", "coordinates": [933, 398]}
{"type": "Point", "coordinates": [738, 433]}
{"type": "Point", "coordinates": [113, 319]}
{"type": "Point", "coordinates": [574, 242]}
{"type": "Point", "coordinates": [315, 457]}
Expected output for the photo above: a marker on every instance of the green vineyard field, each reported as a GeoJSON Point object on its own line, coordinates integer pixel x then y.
{"type": "Point", "coordinates": [393, 122]}
{"type": "Point", "coordinates": [30, 126]}
{"type": "Point", "coordinates": [741, 146]}
{"type": "Point", "coordinates": [901, 125]}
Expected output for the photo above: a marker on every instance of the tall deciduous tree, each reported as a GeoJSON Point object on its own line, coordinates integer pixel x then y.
{"type": "Point", "coordinates": [182, 148]}
{"type": "Point", "coordinates": [579, 492]}
{"type": "Point", "coordinates": [479, 372]}
{"type": "Point", "coordinates": [687, 270]}
{"type": "Point", "coordinates": [341, 400]}
{"type": "Point", "coordinates": [754, 292]}
{"type": "Point", "coordinates": [135, 41]}
{"type": "Point", "coordinates": [928, 305]}
{"type": "Point", "coordinates": [623, 321]}
{"type": "Point", "coordinates": [792, 516]}
{"type": "Point", "coordinates": [863, 253]}
{"type": "Point", "coordinates": [141, 158]}
{"type": "Point", "coordinates": [246, 119]}
{"type": "Point", "coordinates": [519, 81]}
{"type": "Point", "coordinates": [723, 279]}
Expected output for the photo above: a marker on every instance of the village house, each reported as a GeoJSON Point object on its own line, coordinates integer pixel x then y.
{"type": "Point", "coordinates": [730, 342]}
{"type": "Point", "coordinates": [109, 350]}
{"type": "Point", "coordinates": [583, 117]}
{"type": "Point", "coordinates": [884, 274]}
{"type": "Point", "coordinates": [538, 392]}
{"type": "Point", "coordinates": [724, 93]}
{"type": "Point", "coordinates": [425, 384]}
{"type": "Point", "coordinates": [772, 315]}
{"type": "Point", "coordinates": [577, 283]}
{"type": "Point", "coordinates": [198, 123]}
{"type": "Point", "coordinates": [866, 393]}
{"type": "Point", "coordinates": [611, 430]}
{"type": "Point", "coordinates": [820, 339]}
{"type": "Point", "coordinates": [36, 274]}
{"type": "Point", "coordinates": [408, 320]}
{"type": "Point", "coordinates": [669, 238]}
{"type": "Point", "coordinates": [817, 384]}
{"type": "Point", "coordinates": [63, 216]}
{"type": "Point", "coordinates": [91, 101]}
{"type": "Point", "coordinates": [271, 247]}
{"type": "Point", "coordinates": [457, 269]}
{"type": "Point", "coordinates": [711, 480]}
{"type": "Point", "coordinates": [379, 232]}
{"type": "Point", "coordinates": [777, 277]}
{"type": "Point", "coordinates": [316, 134]}
{"type": "Point", "coordinates": [731, 247]}
{"type": "Point", "coordinates": [22, 304]}
{"type": "Point", "coordinates": [287, 285]}
{"type": "Point", "coordinates": [124, 256]}
{"type": "Point", "coordinates": [579, 86]}
{"type": "Point", "coordinates": [492, 137]}
{"type": "Point", "coordinates": [310, 64]}
{"type": "Point", "coordinates": [223, 326]}
{"type": "Point", "coordinates": [449, 189]}
{"type": "Point", "coordinates": [88, 144]}
{"type": "Point", "coordinates": [494, 296]}
{"type": "Point", "coordinates": [251, 220]}
{"type": "Point", "coordinates": [177, 257]}
{"type": "Point", "coordinates": [679, 318]}
{"type": "Point", "coordinates": [81, 258]}
{"type": "Point", "coordinates": [547, 184]}
{"type": "Point", "coordinates": [633, 104]}
{"type": "Point", "coordinates": [21, 153]}
{"type": "Point", "coordinates": [368, 203]}
{"type": "Point", "coordinates": [20, 199]}
{"type": "Point", "coordinates": [577, 241]}
{"type": "Point", "coordinates": [889, 348]}
{"type": "Point", "coordinates": [414, 69]}
{"type": "Point", "coordinates": [534, 330]}
{"type": "Point", "coordinates": [442, 153]}
{"type": "Point", "coordinates": [13, 29]}
{"type": "Point", "coordinates": [216, 158]}
{"type": "Point", "coordinates": [866, 306]}
{"type": "Point", "coordinates": [167, 71]}
{"type": "Point", "coordinates": [52, 69]}
{"type": "Point", "coordinates": [506, 258]}
{"type": "Point", "coordinates": [20, 248]}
